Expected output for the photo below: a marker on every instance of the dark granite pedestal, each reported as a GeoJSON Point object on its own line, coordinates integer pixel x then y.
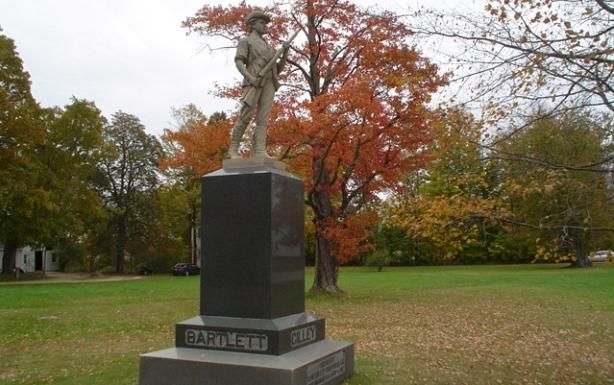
{"type": "Point", "coordinates": [252, 328]}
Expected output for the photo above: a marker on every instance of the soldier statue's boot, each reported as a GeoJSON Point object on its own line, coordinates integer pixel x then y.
{"type": "Point", "coordinates": [235, 141]}
{"type": "Point", "coordinates": [259, 148]}
{"type": "Point", "coordinates": [233, 150]}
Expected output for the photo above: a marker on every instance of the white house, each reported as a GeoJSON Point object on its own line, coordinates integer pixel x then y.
{"type": "Point", "coordinates": [30, 260]}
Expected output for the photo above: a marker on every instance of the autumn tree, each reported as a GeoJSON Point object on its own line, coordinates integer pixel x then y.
{"type": "Point", "coordinates": [520, 61]}
{"type": "Point", "coordinates": [562, 212]}
{"type": "Point", "coordinates": [197, 144]}
{"type": "Point", "coordinates": [352, 117]}
{"type": "Point", "coordinates": [458, 203]}
{"type": "Point", "coordinates": [128, 180]}
{"type": "Point", "coordinates": [21, 131]}
{"type": "Point", "coordinates": [194, 147]}
{"type": "Point", "coordinates": [519, 53]}
{"type": "Point", "coordinates": [517, 56]}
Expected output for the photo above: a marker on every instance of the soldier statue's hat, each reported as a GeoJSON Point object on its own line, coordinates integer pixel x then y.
{"type": "Point", "coordinates": [254, 15]}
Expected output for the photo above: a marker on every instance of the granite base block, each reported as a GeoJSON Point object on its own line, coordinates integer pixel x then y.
{"type": "Point", "coordinates": [322, 363]}
{"type": "Point", "coordinates": [262, 336]}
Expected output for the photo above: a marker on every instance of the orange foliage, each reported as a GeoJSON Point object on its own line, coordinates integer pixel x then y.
{"type": "Point", "coordinates": [349, 235]}
{"type": "Point", "coordinates": [200, 148]}
{"type": "Point", "coordinates": [352, 117]}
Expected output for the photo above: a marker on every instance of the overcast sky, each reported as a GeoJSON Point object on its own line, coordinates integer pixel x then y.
{"type": "Point", "coordinates": [129, 55]}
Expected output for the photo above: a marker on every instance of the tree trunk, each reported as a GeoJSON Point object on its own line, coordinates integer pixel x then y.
{"type": "Point", "coordinates": [9, 257]}
{"type": "Point", "coordinates": [579, 242]}
{"type": "Point", "coordinates": [120, 245]}
{"type": "Point", "coordinates": [325, 277]}
{"type": "Point", "coordinates": [582, 262]}
{"type": "Point", "coordinates": [326, 270]}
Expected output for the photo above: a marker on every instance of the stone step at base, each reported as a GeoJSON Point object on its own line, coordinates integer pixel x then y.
{"type": "Point", "coordinates": [322, 363]}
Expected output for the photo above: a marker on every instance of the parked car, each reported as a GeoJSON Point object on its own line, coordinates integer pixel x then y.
{"type": "Point", "coordinates": [185, 269]}
{"type": "Point", "coordinates": [602, 256]}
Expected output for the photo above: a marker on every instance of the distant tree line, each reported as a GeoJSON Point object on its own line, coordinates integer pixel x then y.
{"type": "Point", "coordinates": [473, 205]}
{"type": "Point", "coordinates": [390, 180]}
{"type": "Point", "coordinates": [91, 188]}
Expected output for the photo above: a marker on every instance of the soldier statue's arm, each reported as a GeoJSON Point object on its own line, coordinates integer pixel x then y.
{"type": "Point", "coordinates": [241, 62]}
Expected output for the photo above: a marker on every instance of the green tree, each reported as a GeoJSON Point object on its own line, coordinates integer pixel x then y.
{"type": "Point", "coordinates": [128, 181]}
{"type": "Point", "coordinates": [49, 160]}
{"type": "Point", "coordinates": [72, 147]}
{"type": "Point", "coordinates": [180, 218]}
{"type": "Point", "coordinates": [21, 131]}
{"type": "Point", "coordinates": [559, 209]}
{"type": "Point", "coordinates": [456, 206]}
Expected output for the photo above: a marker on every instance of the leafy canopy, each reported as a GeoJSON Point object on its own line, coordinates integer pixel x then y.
{"type": "Point", "coordinates": [351, 117]}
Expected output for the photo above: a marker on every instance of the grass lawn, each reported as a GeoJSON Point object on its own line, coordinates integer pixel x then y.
{"type": "Point", "coordinates": [533, 324]}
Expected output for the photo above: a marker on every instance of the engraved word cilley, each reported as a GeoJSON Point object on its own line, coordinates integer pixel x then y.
{"type": "Point", "coordinates": [302, 336]}
{"type": "Point", "coordinates": [215, 339]}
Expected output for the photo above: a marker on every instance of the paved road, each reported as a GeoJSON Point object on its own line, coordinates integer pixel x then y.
{"type": "Point", "coordinates": [58, 277]}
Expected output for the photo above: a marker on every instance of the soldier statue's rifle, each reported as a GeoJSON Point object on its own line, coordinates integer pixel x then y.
{"type": "Point", "coordinates": [251, 96]}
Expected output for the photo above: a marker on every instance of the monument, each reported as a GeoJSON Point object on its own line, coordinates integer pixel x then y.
{"type": "Point", "coordinates": [253, 328]}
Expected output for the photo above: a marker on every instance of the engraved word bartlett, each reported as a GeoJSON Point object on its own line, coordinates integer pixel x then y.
{"type": "Point", "coordinates": [216, 339]}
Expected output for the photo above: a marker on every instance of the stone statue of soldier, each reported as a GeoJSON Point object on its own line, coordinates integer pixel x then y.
{"type": "Point", "coordinates": [259, 64]}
